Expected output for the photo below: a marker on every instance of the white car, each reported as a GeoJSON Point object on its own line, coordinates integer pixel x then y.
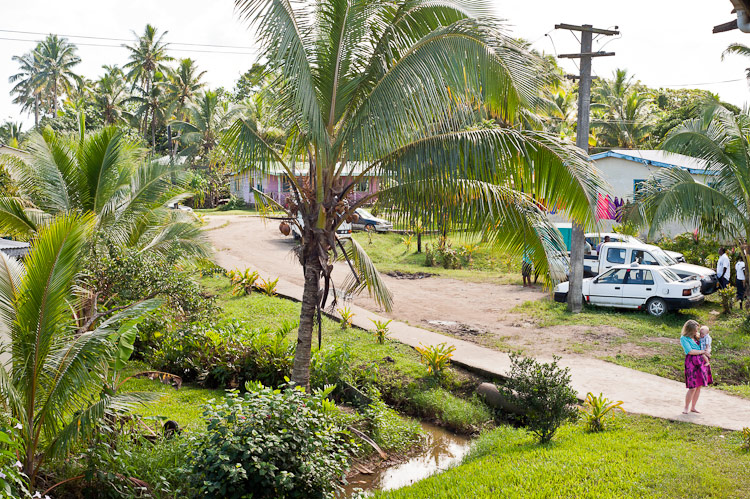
{"type": "Point", "coordinates": [368, 221]}
{"type": "Point", "coordinates": [653, 288]}
{"type": "Point", "coordinates": [344, 230]}
{"type": "Point", "coordinates": [181, 207]}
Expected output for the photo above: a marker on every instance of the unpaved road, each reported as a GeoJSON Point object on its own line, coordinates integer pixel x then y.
{"type": "Point", "coordinates": [478, 312]}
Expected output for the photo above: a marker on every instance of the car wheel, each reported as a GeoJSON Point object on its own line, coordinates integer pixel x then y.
{"type": "Point", "coordinates": [369, 227]}
{"type": "Point", "coordinates": [656, 307]}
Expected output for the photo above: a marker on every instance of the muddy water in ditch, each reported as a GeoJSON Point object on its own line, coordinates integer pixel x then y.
{"type": "Point", "coordinates": [442, 450]}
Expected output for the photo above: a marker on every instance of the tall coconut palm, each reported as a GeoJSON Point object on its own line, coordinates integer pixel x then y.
{"type": "Point", "coordinates": [720, 207]}
{"type": "Point", "coordinates": [52, 381]}
{"type": "Point", "coordinates": [397, 89]}
{"type": "Point", "coordinates": [184, 85]}
{"type": "Point", "coordinates": [208, 118]}
{"type": "Point", "coordinates": [57, 57]}
{"type": "Point", "coordinates": [623, 112]}
{"type": "Point", "coordinates": [26, 87]}
{"type": "Point", "coordinates": [152, 107]}
{"type": "Point", "coordinates": [111, 95]}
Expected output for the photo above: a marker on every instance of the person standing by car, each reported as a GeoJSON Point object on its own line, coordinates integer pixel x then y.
{"type": "Point", "coordinates": [526, 267]}
{"type": "Point", "coordinates": [739, 269]}
{"type": "Point", "coordinates": [599, 246]}
{"type": "Point", "coordinates": [722, 268]}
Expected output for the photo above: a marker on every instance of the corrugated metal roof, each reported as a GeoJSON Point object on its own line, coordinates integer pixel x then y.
{"type": "Point", "coordinates": [657, 157]}
{"type": "Point", "coordinates": [351, 169]}
{"type": "Point", "coordinates": [14, 248]}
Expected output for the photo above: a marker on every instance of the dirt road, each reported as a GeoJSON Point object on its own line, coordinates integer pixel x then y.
{"type": "Point", "coordinates": [478, 312]}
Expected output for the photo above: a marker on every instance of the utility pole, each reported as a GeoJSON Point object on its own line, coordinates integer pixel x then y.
{"type": "Point", "coordinates": [577, 242]}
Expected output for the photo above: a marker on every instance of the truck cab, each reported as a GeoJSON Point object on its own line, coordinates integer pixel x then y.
{"type": "Point", "coordinates": [615, 254]}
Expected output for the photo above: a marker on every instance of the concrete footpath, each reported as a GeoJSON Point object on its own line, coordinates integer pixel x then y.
{"type": "Point", "coordinates": [641, 393]}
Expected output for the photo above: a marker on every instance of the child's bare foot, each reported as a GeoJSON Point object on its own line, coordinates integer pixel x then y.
{"type": "Point", "coordinates": [695, 410]}
{"type": "Point", "coordinates": [685, 412]}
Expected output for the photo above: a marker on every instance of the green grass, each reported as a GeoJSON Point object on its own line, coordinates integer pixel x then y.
{"type": "Point", "coordinates": [466, 415]}
{"type": "Point", "coordinates": [644, 458]}
{"type": "Point", "coordinates": [396, 367]}
{"type": "Point", "coordinates": [658, 338]}
{"type": "Point", "coordinates": [389, 253]}
{"type": "Point", "coordinates": [185, 406]}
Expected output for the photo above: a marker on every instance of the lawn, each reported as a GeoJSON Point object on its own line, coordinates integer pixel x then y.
{"type": "Point", "coordinates": [655, 339]}
{"type": "Point", "coordinates": [389, 252]}
{"type": "Point", "coordinates": [645, 457]}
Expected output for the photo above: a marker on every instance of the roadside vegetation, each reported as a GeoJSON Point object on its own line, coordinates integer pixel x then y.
{"type": "Point", "coordinates": [643, 457]}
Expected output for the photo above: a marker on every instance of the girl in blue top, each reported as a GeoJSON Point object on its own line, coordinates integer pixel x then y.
{"type": "Point", "coordinates": [697, 373]}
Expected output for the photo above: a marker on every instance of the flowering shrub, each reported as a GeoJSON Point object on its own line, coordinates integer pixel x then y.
{"type": "Point", "coordinates": [12, 480]}
{"type": "Point", "coordinates": [270, 443]}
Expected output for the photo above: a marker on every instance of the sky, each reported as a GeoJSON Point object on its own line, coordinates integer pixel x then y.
{"type": "Point", "coordinates": [664, 43]}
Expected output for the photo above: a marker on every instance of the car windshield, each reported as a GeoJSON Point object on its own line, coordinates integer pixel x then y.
{"type": "Point", "coordinates": [364, 213]}
{"type": "Point", "coordinates": [669, 276]}
{"type": "Point", "coordinates": [661, 257]}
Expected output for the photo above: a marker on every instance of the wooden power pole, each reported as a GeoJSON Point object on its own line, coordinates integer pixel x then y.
{"type": "Point", "coordinates": [577, 242]}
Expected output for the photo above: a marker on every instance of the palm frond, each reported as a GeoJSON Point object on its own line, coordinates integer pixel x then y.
{"type": "Point", "coordinates": [19, 220]}
{"type": "Point", "coordinates": [365, 276]}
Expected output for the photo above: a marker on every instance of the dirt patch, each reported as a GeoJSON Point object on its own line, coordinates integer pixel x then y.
{"type": "Point", "coordinates": [409, 275]}
{"type": "Point", "coordinates": [455, 328]}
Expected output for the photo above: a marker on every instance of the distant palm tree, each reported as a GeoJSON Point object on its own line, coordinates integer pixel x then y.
{"type": "Point", "coordinates": [56, 59]}
{"type": "Point", "coordinates": [111, 95]}
{"type": "Point", "coordinates": [720, 207]}
{"type": "Point", "coordinates": [622, 112]}
{"type": "Point", "coordinates": [208, 118]}
{"type": "Point", "coordinates": [11, 134]}
{"type": "Point", "coordinates": [27, 90]}
{"type": "Point", "coordinates": [184, 84]}
{"type": "Point", "coordinates": [52, 382]}
{"type": "Point", "coordinates": [738, 49]}
{"type": "Point", "coordinates": [402, 90]}
{"type": "Point", "coordinates": [152, 107]}
{"type": "Point", "coordinates": [148, 58]}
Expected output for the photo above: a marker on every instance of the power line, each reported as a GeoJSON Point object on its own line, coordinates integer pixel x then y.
{"type": "Point", "coordinates": [126, 40]}
{"type": "Point", "coordinates": [83, 44]}
{"type": "Point", "coordinates": [705, 83]}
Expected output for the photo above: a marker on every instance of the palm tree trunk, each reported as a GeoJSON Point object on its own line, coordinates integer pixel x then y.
{"type": "Point", "coordinates": [36, 110]}
{"type": "Point", "coordinates": [54, 99]}
{"type": "Point", "coordinates": [153, 131]}
{"type": "Point", "coordinates": [301, 369]}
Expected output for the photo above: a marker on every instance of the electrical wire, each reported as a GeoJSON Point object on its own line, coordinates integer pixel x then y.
{"type": "Point", "coordinates": [125, 40]}
{"type": "Point", "coordinates": [84, 44]}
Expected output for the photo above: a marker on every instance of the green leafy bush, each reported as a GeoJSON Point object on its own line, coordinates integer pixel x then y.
{"type": "Point", "coordinates": [381, 330]}
{"type": "Point", "coordinates": [12, 480]}
{"type": "Point", "coordinates": [698, 251]}
{"type": "Point", "coordinates": [727, 296]}
{"type": "Point", "coordinates": [543, 392]}
{"type": "Point", "coordinates": [436, 357]}
{"type": "Point", "coordinates": [331, 367]}
{"type": "Point", "coordinates": [270, 444]}
{"type": "Point", "coordinates": [234, 203]}
{"type": "Point", "coordinates": [226, 355]}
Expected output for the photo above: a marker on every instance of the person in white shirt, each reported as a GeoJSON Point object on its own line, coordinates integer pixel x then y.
{"type": "Point", "coordinates": [722, 268]}
{"type": "Point", "coordinates": [739, 268]}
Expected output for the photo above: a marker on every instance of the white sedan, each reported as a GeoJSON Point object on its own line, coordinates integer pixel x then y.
{"type": "Point", "coordinates": [655, 289]}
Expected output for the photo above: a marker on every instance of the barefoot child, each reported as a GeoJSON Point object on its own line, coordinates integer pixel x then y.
{"type": "Point", "coordinates": [705, 343]}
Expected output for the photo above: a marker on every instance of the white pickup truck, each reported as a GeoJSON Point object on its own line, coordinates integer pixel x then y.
{"type": "Point", "coordinates": [625, 253]}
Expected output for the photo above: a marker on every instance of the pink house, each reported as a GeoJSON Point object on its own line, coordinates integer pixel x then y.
{"type": "Point", "coordinates": [275, 185]}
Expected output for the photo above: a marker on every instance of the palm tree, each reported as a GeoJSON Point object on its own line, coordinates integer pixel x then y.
{"type": "Point", "coordinates": [148, 58]}
{"type": "Point", "coordinates": [721, 206]}
{"type": "Point", "coordinates": [738, 49]}
{"type": "Point", "coordinates": [52, 382]}
{"type": "Point", "coordinates": [111, 95]}
{"type": "Point", "coordinates": [623, 112]}
{"type": "Point", "coordinates": [398, 88]}
{"type": "Point", "coordinates": [184, 84]}
{"type": "Point", "coordinates": [57, 57]}
{"type": "Point", "coordinates": [208, 118]}
{"type": "Point", "coordinates": [152, 107]}
{"type": "Point", "coordinates": [11, 134]}
{"type": "Point", "coordinates": [27, 91]}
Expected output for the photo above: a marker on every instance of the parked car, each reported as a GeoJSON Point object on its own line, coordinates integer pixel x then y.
{"type": "Point", "coordinates": [178, 206]}
{"type": "Point", "coordinates": [626, 253]}
{"type": "Point", "coordinates": [344, 230]}
{"type": "Point", "coordinates": [594, 238]}
{"type": "Point", "coordinates": [368, 221]}
{"type": "Point", "coordinates": [655, 289]}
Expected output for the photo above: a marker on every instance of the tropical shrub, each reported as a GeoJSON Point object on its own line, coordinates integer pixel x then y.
{"type": "Point", "coordinates": [381, 330]}
{"type": "Point", "coordinates": [12, 480]}
{"type": "Point", "coordinates": [346, 317]}
{"type": "Point", "coordinates": [270, 443]}
{"type": "Point", "coordinates": [225, 355]}
{"type": "Point", "coordinates": [234, 203]}
{"type": "Point", "coordinates": [696, 250]}
{"type": "Point", "coordinates": [596, 411]}
{"type": "Point", "coordinates": [331, 367]}
{"type": "Point", "coordinates": [745, 435]}
{"type": "Point", "coordinates": [408, 240]}
{"type": "Point", "coordinates": [727, 296]}
{"type": "Point", "coordinates": [543, 392]}
{"type": "Point", "coordinates": [268, 287]}
{"type": "Point", "coordinates": [436, 357]}
{"type": "Point", "coordinates": [243, 282]}
{"type": "Point", "coordinates": [468, 250]}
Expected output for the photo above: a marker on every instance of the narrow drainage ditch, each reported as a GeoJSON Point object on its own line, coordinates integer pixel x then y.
{"type": "Point", "coordinates": [442, 450]}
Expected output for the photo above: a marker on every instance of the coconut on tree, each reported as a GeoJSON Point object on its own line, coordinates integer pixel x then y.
{"type": "Point", "coordinates": [430, 97]}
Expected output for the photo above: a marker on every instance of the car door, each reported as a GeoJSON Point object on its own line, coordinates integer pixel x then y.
{"type": "Point", "coordinates": [611, 257]}
{"type": "Point", "coordinates": [607, 289]}
{"type": "Point", "coordinates": [638, 288]}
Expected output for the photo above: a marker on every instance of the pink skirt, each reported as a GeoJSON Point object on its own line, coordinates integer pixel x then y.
{"type": "Point", "coordinates": [697, 373]}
